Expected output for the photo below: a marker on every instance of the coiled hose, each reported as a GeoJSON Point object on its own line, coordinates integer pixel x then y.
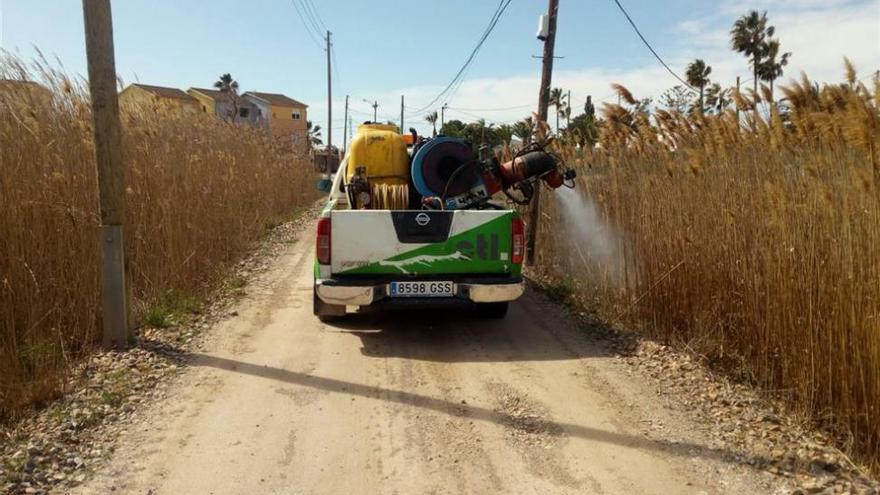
{"type": "Point", "coordinates": [389, 196]}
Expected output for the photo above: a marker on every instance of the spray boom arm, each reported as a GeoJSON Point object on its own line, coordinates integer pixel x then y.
{"type": "Point", "coordinates": [531, 164]}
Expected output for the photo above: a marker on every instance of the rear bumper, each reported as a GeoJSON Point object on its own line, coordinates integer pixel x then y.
{"type": "Point", "coordinates": [366, 292]}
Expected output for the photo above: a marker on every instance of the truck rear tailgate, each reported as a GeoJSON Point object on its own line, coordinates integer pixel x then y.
{"type": "Point", "coordinates": [384, 242]}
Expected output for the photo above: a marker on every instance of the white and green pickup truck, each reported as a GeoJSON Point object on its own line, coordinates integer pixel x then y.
{"type": "Point", "coordinates": [389, 257]}
{"type": "Point", "coordinates": [430, 226]}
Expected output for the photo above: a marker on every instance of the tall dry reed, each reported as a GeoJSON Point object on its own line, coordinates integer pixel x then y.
{"type": "Point", "coordinates": [199, 193]}
{"type": "Point", "coordinates": [755, 240]}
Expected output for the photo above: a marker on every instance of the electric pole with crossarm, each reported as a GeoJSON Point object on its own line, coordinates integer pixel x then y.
{"type": "Point", "coordinates": [543, 98]}
{"type": "Point", "coordinates": [329, 99]}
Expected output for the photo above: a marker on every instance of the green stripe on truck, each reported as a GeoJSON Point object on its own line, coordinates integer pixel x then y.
{"type": "Point", "coordinates": [483, 249]}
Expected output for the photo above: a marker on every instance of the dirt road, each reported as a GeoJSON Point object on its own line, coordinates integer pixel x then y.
{"type": "Point", "coordinates": [428, 402]}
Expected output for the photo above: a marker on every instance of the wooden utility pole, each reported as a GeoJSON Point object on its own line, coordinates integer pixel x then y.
{"type": "Point", "coordinates": [543, 97]}
{"type": "Point", "coordinates": [737, 106]}
{"type": "Point", "coordinates": [442, 116]}
{"type": "Point", "coordinates": [568, 112]}
{"type": "Point", "coordinates": [329, 99]}
{"type": "Point", "coordinates": [374, 104]}
{"type": "Point", "coordinates": [345, 128]}
{"type": "Point", "coordinates": [401, 115]}
{"type": "Point", "coordinates": [111, 175]}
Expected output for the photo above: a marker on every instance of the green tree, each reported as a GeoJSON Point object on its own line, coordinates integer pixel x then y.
{"type": "Point", "coordinates": [589, 108]}
{"type": "Point", "coordinates": [453, 128]}
{"type": "Point", "coordinates": [431, 118]}
{"type": "Point", "coordinates": [480, 132]}
{"type": "Point", "coordinates": [717, 99]}
{"type": "Point", "coordinates": [226, 84]}
{"type": "Point", "coordinates": [748, 37]}
{"type": "Point", "coordinates": [697, 75]}
{"type": "Point", "coordinates": [773, 63]}
{"type": "Point", "coordinates": [677, 99]}
{"type": "Point", "coordinates": [524, 129]}
{"type": "Point", "coordinates": [476, 133]}
{"type": "Point", "coordinates": [314, 132]}
{"type": "Point", "coordinates": [584, 129]}
{"type": "Point", "coordinates": [504, 132]}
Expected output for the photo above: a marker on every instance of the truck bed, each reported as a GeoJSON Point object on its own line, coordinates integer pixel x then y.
{"type": "Point", "coordinates": [423, 243]}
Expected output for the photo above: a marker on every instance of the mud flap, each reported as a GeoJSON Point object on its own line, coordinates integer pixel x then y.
{"type": "Point", "coordinates": [324, 311]}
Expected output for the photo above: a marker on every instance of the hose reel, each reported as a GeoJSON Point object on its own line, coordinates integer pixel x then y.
{"type": "Point", "coordinates": [448, 175]}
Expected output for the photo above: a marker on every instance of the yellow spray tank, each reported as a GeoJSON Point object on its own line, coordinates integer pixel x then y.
{"type": "Point", "coordinates": [378, 171]}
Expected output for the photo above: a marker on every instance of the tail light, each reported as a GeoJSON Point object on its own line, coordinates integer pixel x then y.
{"type": "Point", "coordinates": [517, 240]}
{"type": "Point", "coordinates": [322, 242]}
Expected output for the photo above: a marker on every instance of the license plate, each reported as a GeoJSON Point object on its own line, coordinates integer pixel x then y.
{"type": "Point", "coordinates": [421, 289]}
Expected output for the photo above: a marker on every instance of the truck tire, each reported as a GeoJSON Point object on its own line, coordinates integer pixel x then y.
{"type": "Point", "coordinates": [493, 311]}
{"type": "Point", "coordinates": [326, 312]}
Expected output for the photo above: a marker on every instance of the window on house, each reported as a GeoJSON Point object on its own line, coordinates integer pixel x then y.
{"type": "Point", "coordinates": [243, 112]}
{"type": "Point", "coordinates": [204, 109]}
{"type": "Point", "coordinates": [296, 115]}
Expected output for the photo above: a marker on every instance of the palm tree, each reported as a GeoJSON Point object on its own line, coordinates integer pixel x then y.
{"type": "Point", "coordinates": [771, 68]}
{"type": "Point", "coordinates": [524, 129]}
{"type": "Point", "coordinates": [698, 76]}
{"type": "Point", "coordinates": [557, 99]}
{"type": "Point", "coordinates": [717, 98]}
{"type": "Point", "coordinates": [747, 37]}
{"type": "Point", "coordinates": [314, 132]}
{"type": "Point", "coordinates": [504, 131]}
{"type": "Point", "coordinates": [226, 84]}
{"type": "Point", "coordinates": [431, 118]}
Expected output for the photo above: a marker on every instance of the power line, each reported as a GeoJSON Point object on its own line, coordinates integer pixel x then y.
{"type": "Point", "coordinates": [451, 95]}
{"type": "Point", "coordinates": [317, 15]}
{"type": "Point", "coordinates": [355, 110]}
{"type": "Point", "coordinates": [478, 117]}
{"type": "Point", "coordinates": [471, 115]}
{"type": "Point", "coordinates": [636, 29]}
{"type": "Point", "coordinates": [872, 74]}
{"type": "Point", "coordinates": [500, 109]}
{"type": "Point", "coordinates": [475, 117]}
{"type": "Point", "coordinates": [305, 25]}
{"type": "Point", "coordinates": [502, 6]}
{"type": "Point", "coordinates": [458, 85]}
{"type": "Point", "coordinates": [336, 68]}
{"type": "Point", "coordinates": [311, 17]}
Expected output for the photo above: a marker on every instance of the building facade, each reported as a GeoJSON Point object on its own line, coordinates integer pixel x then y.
{"type": "Point", "coordinates": [150, 96]}
{"type": "Point", "coordinates": [285, 117]}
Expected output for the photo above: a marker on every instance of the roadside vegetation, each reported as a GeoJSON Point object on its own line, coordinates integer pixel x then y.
{"type": "Point", "coordinates": [200, 193]}
{"type": "Point", "coordinates": [750, 235]}
{"type": "Point", "coordinates": [741, 222]}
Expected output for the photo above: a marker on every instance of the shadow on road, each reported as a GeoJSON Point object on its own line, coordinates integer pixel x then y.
{"type": "Point", "coordinates": [533, 330]}
{"type": "Point", "coordinates": [681, 449]}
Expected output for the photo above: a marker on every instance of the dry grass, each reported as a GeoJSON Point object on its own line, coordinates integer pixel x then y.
{"type": "Point", "coordinates": [755, 244]}
{"type": "Point", "coordinates": [199, 194]}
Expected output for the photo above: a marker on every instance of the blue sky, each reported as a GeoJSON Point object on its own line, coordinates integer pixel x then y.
{"type": "Point", "coordinates": [388, 48]}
